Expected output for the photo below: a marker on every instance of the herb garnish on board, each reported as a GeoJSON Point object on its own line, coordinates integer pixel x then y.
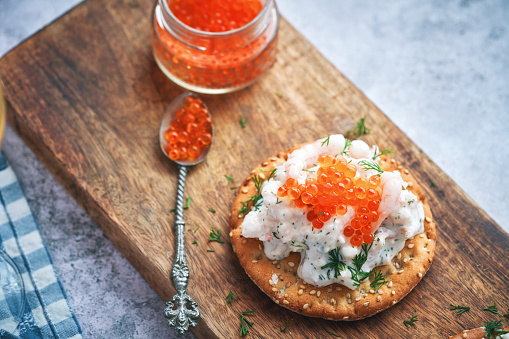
{"type": "Point", "coordinates": [493, 309]}
{"type": "Point", "coordinates": [244, 330]}
{"type": "Point", "coordinates": [411, 322]}
{"type": "Point", "coordinates": [459, 309]}
{"type": "Point", "coordinates": [215, 236]}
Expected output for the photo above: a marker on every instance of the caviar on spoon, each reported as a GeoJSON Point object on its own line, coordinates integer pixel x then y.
{"type": "Point", "coordinates": [185, 136]}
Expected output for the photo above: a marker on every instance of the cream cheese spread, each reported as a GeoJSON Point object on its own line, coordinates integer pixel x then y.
{"type": "Point", "coordinates": [283, 227]}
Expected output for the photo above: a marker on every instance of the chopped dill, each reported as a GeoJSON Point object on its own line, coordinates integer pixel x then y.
{"type": "Point", "coordinates": [244, 330]}
{"type": "Point", "coordinates": [411, 322]}
{"type": "Point", "coordinates": [493, 309]}
{"type": "Point", "coordinates": [371, 165]}
{"type": "Point", "coordinates": [360, 128]}
{"type": "Point", "coordinates": [242, 122]}
{"type": "Point", "coordinates": [326, 141]}
{"type": "Point", "coordinates": [229, 297]}
{"type": "Point", "coordinates": [459, 309]}
{"type": "Point", "coordinates": [286, 327]}
{"type": "Point", "coordinates": [215, 236]}
{"type": "Point", "coordinates": [348, 142]}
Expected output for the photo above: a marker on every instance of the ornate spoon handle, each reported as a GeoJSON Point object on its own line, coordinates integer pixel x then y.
{"type": "Point", "coordinates": [181, 317]}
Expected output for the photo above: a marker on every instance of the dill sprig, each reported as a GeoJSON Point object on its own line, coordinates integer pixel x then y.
{"type": "Point", "coordinates": [370, 165]}
{"type": "Point", "coordinates": [195, 243]}
{"type": "Point", "coordinates": [242, 122]}
{"type": "Point", "coordinates": [493, 309]}
{"type": "Point", "coordinates": [459, 309]}
{"type": "Point", "coordinates": [212, 210]}
{"type": "Point", "coordinates": [209, 250]}
{"type": "Point", "coordinates": [215, 236]}
{"type": "Point", "coordinates": [348, 142]}
{"type": "Point", "coordinates": [196, 229]}
{"type": "Point", "coordinates": [286, 327]}
{"type": "Point", "coordinates": [326, 141]}
{"type": "Point", "coordinates": [378, 280]}
{"type": "Point", "coordinates": [360, 258]}
{"type": "Point", "coordinates": [494, 329]}
{"type": "Point", "coordinates": [230, 179]}
{"type": "Point", "coordinates": [384, 152]}
{"type": "Point", "coordinates": [334, 334]}
{"type": "Point", "coordinates": [335, 263]}
{"type": "Point", "coordinates": [244, 330]}
{"type": "Point", "coordinates": [358, 275]}
{"type": "Point", "coordinates": [188, 202]}
{"type": "Point", "coordinates": [432, 183]}
{"type": "Point", "coordinates": [229, 297]}
{"type": "Point", "coordinates": [360, 128]}
{"type": "Point", "coordinates": [411, 322]}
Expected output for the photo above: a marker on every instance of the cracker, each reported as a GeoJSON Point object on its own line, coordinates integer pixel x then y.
{"type": "Point", "coordinates": [477, 333]}
{"type": "Point", "coordinates": [279, 279]}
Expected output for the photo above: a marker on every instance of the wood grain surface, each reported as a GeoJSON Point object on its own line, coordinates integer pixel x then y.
{"type": "Point", "coordinates": [86, 95]}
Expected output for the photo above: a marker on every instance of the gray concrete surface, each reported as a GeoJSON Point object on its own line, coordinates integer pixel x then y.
{"type": "Point", "coordinates": [438, 69]}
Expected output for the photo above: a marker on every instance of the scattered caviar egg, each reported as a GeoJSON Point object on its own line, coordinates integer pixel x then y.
{"type": "Point", "coordinates": [317, 223]}
{"type": "Point", "coordinates": [291, 182]}
{"type": "Point", "coordinates": [186, 138]}
{"type": "Point", "coordinates": [294, 193]}
{"type": "Point", "coordinates": [299, 203]}
{"type": "Point", "coordinates": [348, 231]}
{"type": "Point", "coordinates": [355, 223]}
{"type": "Point", "coordinates": [312, 189]}
{"type": "Point", "coordinates": [356, 240]}
{"type": "Point", "coordinates": [341, 210]}
{"type": "Point", "coordinates": [307, 198]}
{"type": "Point", "coordinates": [282, 191]}
{"type": "Point", "coordinates": [350, 170]}
{"type": "Point", "coordinates": [324, 216]}
{"type": "Point", "coordinates": [368, 238]}
{"type": "Point", "coordinates": [373, 205]}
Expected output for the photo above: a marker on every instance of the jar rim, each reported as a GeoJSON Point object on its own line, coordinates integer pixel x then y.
{"type": "Point", "coordinates": [246, 27]}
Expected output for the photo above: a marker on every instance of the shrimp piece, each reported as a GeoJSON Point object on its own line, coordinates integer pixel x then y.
{"type": "Point", "coordinates": [392, 184]}
{"type": "Point", "coordinates": [305, 157]}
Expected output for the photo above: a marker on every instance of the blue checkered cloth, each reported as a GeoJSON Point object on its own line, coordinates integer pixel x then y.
{"type": "Point", "coordinates": [44, 310]}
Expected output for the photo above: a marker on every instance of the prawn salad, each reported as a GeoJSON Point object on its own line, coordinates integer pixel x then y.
{"type": "Point", "coordinates": [332, 203]}
{"type": "Point", "coordinates": [333, 229]}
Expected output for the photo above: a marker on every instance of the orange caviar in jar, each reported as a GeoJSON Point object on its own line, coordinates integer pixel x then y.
{"type": "Point", "coordinates": [214, 46]}
{"type": "Point", "coordinates": [337, 187]}
{"type": "Point", "coordinates": [190, 132]}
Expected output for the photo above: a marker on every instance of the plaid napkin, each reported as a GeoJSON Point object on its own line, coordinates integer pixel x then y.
{"type": "Point", "coordinates": [46, 313]}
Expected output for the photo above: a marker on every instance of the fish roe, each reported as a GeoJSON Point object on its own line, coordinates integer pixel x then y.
{"type": "Point", "coordinates": [336, 188]}
{"type": "Point", "coordinates": [190, 132]}
{"type": "Point", "coordinates": [214, 46]}
{"type": "Point", "coordinates": [215, 15]}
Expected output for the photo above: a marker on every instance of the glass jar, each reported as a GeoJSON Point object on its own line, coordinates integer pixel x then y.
{"type": "Point", "coordinates": [214, 62]}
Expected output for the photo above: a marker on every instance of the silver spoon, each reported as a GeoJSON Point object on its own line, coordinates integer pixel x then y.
{"type": "Point", "coordinates": [181, 317]}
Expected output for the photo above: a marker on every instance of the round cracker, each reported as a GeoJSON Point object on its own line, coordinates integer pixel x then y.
{"type": "Point", "coordinates": [476, 333]}
{"type": "Point", "coordinates": [335, 301]}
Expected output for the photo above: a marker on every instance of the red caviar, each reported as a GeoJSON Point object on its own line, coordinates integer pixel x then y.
{"type": "Point", "coordinates": [336, 188]}
{"type": "Point", "coordinates": [190, 132]}
{"type": "Point", "coordinates": [214, 46]}
{"type": "Point", "coordinates": [215, 15]}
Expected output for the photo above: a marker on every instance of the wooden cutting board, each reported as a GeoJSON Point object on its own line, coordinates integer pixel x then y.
{"type": "Point", "coordinates": [86, 95]}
